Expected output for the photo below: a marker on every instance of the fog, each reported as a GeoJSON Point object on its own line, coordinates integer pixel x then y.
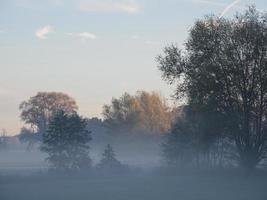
{"type": "Point", "coordinates": [135, 152]}
{"type": "Point", "coordinates": [22, 160]}
{"type": "Point", "coordinates": [209, 142]}
{"type": "Point", "coordinates": [137, 186]}
{"type": "Point", "coordinates": [24, 175]}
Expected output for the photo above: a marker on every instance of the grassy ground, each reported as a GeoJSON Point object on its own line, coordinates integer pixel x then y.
{"type": "Point", "coordinates": [138, 187]}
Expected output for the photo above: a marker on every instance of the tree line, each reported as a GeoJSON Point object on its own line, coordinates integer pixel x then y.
{"type": "Point", "coordinates": [220, 74]}
{"type": "Point", "coordinates": [52, 120]}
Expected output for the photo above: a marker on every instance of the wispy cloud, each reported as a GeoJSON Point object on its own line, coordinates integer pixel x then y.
{"type": "Point", "coordinates": [110, 6]}
{"type": "Point", "coordinates": [228, 7]}
{"type": "Point", "coordinates": [83, 35]}
{"type": "Point", "coordinates": [221, 4]}
{"type": "Point", "coordinates": [42, 33]}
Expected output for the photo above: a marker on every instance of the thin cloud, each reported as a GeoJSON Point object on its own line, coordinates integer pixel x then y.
{"type": "Point", "coordinates": [83, 35]}
{"type": "Point", "coordinates": [110, 6]}
{"type": "Point", "coordinates": [229, 8]}
{"type": "Point", "coordinates": [42, 33]}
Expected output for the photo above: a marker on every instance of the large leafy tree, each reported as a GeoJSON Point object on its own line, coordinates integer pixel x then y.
{"type": "Point", "coordinates": [67, 142]}
{"type": "Point", "coordinates": [143, 112]}
{"type": "Point", "coordinates": [39, 109]}
{"type": "Point", "coordinates": [224, 67]}
{"type": "Point", "coordinates": [122, 114]}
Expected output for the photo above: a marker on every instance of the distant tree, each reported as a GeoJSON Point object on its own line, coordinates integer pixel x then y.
{"type": "Point", "coordinates": [98, 128]}
{"type": "Point", "coordinates": [224, 67]}
{"type": "Point", "coordinates": [109, 160]}
{"type": "Point", "coordinates": [144, 112]}
{"type": "Point", "coordinates": [67, 142]}
{"type": "Point", "coordinates": [122, 114]}
{"type": "Point", "coordinates": [95, 123]}
{"type": "Point", "coordinates": [156, 116]}
{"type": "Point", "coordinates": [179, 145]}
{"type": "Point", "coordinates": [39, 109]}
{"type": "Point", "coordinates": [29, 136]}
{"type": "Point", "coordinates": [194, 138]}
{"type": "Point", "coordinates": [3, 139]}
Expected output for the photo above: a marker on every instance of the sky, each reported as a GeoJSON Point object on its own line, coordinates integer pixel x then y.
{"type": "Point", "coordinates": [92, 50]}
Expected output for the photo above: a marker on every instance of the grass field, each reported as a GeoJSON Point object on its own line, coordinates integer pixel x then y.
{"type": "Point", "coordinates": [137, 187]}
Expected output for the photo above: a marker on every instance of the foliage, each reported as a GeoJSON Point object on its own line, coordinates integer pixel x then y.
{"type": "Point", "coordinates": [66, 142]}
{"type": "Point", "coordinates": [144, 112]}
{"type": "Point", "coordinates": [39, 109]}
{"type": "Point", "coordinates": [3, 140]}
{"type": "Point", "coordinates": [29, 136]}
{"type": "Point", "coordinates": [224, 68]}
{"type": "Point", "coordinates": [194, 138]}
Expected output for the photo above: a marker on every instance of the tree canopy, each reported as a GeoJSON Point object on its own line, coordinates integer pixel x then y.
{"type": "Point", "coordinates": [224, 67]}
{"type": "Point", "coordinates": [67, 142]}
{"type": "Point", "coordinates": [39, 109]}
{"type": "Point", "coordinates": [143, 112]}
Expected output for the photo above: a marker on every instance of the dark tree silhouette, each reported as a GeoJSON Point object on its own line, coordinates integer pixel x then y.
{"type": "Point", "coordinates": [224, 67]}
{"type": "Point", "coordinates": [178, 149]}
{"type": "Point", "coordinates": [3, 139]}
{"type": "Point", "coordinates": [29, 136]}
{"type": "Point", "coordinates": [66, 142]}
{"type": "Point", "coordinates": [109, 160]}
{"type": "Point", "coordinates": [195, 138]}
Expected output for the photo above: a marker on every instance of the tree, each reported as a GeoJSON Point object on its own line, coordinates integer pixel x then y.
{"type": "Point", "coordinates": [109, 160]}
{"type": "Point", "coordinates": [195, 139]}
{"type": "Point", "coordinates": [224, 67]}
{"type": "Point", "coordinates": [39, 109]}
{"type": "Point", "coordinates": [67, 142]}
{"type": "Point", "coordinates": [3, 139]}
{"type": "Point", "coordinates": [144, 112]}
{"type": "Point", "coordinates": [98, 129]}
{"type": "Point", "coordinates": [122, 114]}
{"type": "Point", "coordinates": [178, 149]}
{"type": "Point", "coordinates": [156, 117]}
{"type": "Point", "coordinates": [29, 136]}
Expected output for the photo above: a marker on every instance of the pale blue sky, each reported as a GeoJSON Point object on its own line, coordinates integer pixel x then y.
{"type": "Point", "coordinates": [91, 49]}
